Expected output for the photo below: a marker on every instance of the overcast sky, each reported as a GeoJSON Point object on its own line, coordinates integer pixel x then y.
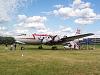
{"type": "Point", "coordinates": [49, 16]}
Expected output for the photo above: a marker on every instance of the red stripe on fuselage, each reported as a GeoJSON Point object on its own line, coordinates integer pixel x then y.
{"type": "Point", "coordinates": [40, 35]}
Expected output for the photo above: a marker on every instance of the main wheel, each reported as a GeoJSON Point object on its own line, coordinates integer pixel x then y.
{"type": "Point", "coordinates": [54, 47]}
{"type": "Point", "coordinates": [40, 47]}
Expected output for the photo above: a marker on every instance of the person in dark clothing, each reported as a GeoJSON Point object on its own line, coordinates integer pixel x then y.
{"type": "Point", "coordinates": [6, 45]}
{"type": "Point", "coordinates": [22, 47]}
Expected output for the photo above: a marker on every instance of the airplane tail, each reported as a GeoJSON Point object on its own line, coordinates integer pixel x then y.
{"type": "Point", "coordinates": [78, 31]}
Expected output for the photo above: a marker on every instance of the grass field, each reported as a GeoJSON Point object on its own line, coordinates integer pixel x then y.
{"type": "Point", "coordinates": [49, 62]}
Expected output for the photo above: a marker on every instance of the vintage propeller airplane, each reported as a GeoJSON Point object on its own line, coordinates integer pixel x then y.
{"type": "Point", "coordinates": [39, 39]}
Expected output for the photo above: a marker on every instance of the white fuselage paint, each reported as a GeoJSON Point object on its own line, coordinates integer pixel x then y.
{"type": "Point", "coordinates": [33, 39]}
{"type": "Point", "coordinates": [36, 39]}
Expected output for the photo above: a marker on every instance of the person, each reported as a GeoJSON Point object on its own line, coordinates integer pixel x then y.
{"type": "Point", "coordinates": [14, 46]}
{"type": "Point", "coordinates": [22, 47]}
{"type": "Point", "coordinates": [6, 45]}
{"type": "Point", "coordinates": [11, 47]}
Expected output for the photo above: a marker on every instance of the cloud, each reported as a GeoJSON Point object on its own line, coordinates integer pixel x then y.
{"type": "Point", "coordinates": [62, 30]}
{"type": "Point", "coordinates": [36, 24]}
{"type": "Point", "coordinates": [8, 8]}
{"type": "Point", "coordinates": [58, 6]}
{"type": "Point", "coordinates": [22, 17]}
{"type": "Point", "coordinates": [97, 17]}
{"type": "Point", "coordinates": [76, 2]}
{"type": "Point", "coordinates": [36, 19]}
{"type": "Point", "coordinates": [18, 30]}
{"type": "Point", "coordinates": [79, 10]}
{"type": "Point", "coordinates": [79, 4]}
{"type": "Point", "coordinates": [87, 12]}
{"type": "Point", "coordinates": [2, 28]}
{"type": "Point", "coordinates": [65, 12]}
{"type": "Point", "coordinates": [65, 28]}
{"type": "Point", "coordinates": [83, 21]}
{"type": "Point", "coordinates": [3, 31]}
{"type": "Point", "coordinates": [27, 24]}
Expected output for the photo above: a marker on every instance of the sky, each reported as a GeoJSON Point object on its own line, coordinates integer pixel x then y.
{"type": "Point", "coordinates": [49, 16]}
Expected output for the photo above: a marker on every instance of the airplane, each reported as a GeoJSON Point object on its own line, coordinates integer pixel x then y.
{"type": "Point", "coordinates": [39, 39]}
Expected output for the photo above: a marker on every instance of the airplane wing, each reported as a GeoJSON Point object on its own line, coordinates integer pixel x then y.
{"type": "Point", "coordinates": [71, 38]}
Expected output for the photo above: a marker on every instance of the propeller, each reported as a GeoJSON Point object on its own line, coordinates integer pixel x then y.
{"type": "Point", "coordinates": [52, 38]}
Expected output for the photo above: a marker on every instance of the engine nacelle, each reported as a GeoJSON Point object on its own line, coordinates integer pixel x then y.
{"type": "Point", "coordinates": [56, 38]}
{"type": "Point", "coordinates": [44, 41]}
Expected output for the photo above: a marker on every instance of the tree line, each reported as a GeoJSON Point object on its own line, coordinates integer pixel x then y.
{"type": "Point", "coordinates": [7, 40]}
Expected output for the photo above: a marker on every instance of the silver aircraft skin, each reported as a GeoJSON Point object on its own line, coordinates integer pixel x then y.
{"type": "Point", "coordinates": [47, 39]}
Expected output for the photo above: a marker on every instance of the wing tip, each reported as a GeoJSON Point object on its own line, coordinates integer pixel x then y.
{"type": "Point", "coordinates": [91, 33]}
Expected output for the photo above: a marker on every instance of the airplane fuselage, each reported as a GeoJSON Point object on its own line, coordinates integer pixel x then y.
{"type": "Point", "coordinates": [33, 39]}
{"type": "Point", "coordinates": [48, 39]}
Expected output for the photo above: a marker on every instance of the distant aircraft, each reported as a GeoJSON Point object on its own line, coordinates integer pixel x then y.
{"type": "Point", "coordinates": [39, 39]}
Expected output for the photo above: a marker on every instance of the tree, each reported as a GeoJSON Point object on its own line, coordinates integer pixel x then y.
{"type": "Point", "coordinates": [7, 40]}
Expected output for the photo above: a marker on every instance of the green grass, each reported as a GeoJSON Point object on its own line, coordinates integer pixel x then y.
{"type": "Point", "coordinates": [49, 62]}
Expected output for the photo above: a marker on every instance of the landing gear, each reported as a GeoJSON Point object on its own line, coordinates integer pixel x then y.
{"type": "Point", "coordinates": [22, 48]}
{"type": "Point", "coordinates": [40, 47]}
